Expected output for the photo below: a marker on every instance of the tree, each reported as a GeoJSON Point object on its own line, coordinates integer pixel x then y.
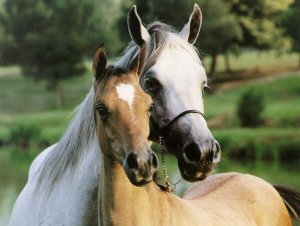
{"type": "Point", "coordinates": [144, 10]}
{"type": "Point", "coordinates": [174, 12]}
{"type": "Point", "coordinates": [49, 39]}
{"type": "Point", "coordinates": [220, 30]}
{"type": "Point", "coordinates": [290, 21]}
{"type": "Point", "coordinates": [6, 41]}
{"type": "Point", "coordinates": [259, 22]}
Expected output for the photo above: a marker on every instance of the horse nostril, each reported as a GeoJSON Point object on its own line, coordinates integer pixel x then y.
{"type": "Point", "coordinates": [154, 160]}
{"type": "Point", "coordinates": [132, 161]}
{"type": "Point", "coordinates": [217, 153]}
{"type": "Point", "coordinates": [192, 153]}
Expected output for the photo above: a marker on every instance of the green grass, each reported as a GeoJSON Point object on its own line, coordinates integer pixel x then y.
{"type": "Point", "coordinates": [281, 98]}
{"type": "Point", "coordinates": [255, 59]}
{"type": "Point", "coordinates": [239, 134]}
{"type": "Point", "coordinates": [10, 71]}
{"type": "Point", "coordinates": [22, 94]}
{"type": "Point", "coordinates": [52, 123]}
{"type": "Point", "coordinates": [285, 113]}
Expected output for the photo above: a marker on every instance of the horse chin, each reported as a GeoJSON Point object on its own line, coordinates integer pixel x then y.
{"type": "Point", "coordinates": [194, 178]}
{"type": "Point", "coordinates": [141, 183]}
{"type": "Point", "coordinates": [194, 172]}
{"type": "Point", "coordinates": [137, 180]}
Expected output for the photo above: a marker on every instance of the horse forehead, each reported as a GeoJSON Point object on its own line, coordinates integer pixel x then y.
{"type": "Point", "coordinates": [177, 65]}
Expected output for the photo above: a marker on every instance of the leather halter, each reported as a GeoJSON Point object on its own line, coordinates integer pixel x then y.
{"type": "Point", "coordinates": [162, 130]}
{"type": "Point", "coordinates": [169, 186]}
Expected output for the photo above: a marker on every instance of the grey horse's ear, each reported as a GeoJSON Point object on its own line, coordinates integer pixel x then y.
{"type": "Point", "coordinates": [99, 63]}
{"type": "Point", "coordinates": [137, 31]}
{"type": "Point", "coordinates": [191, 29]}
{"type": "Point", "coordinates": [138, 62]}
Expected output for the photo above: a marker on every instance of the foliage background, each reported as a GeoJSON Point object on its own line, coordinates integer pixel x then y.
{"type": "Point", "coordinates": [47, 46]}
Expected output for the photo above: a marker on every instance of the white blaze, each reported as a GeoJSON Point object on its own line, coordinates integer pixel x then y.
{"type": "Point", "coordinates": [126, 93]}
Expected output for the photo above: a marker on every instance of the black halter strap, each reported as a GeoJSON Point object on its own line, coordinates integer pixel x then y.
{"type": "Point", "coordinates": [163, 130]}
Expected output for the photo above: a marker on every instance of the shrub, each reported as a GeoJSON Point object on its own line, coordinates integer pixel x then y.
{"type": "Point", "coordinates": [250, 108]}
{"type": "Point", "coordinates": [289, 151]}
{"type": "Point", "coordinates": [22, 135]}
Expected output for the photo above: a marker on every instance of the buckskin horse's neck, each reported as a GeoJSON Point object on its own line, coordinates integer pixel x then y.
{"type": "Point", "coordinates": [121, 203]}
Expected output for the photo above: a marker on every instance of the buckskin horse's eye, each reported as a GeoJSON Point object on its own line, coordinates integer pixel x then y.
{"type": "Point", "coordinates": [102, 109]}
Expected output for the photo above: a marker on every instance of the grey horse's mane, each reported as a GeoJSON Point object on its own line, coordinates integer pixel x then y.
{"type": "Point", "coordinates": [80, 137]}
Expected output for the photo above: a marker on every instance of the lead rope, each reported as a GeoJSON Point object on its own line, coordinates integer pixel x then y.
{"type": "Point", "coordinates": [164, 165]}
{"type": "Point", "coordinates": [170, 187]}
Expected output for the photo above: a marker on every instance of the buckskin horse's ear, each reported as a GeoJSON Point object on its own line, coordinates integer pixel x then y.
{"type": "Point", "coordinates": [138, 62]}
{"type": "Point", "coordinates": [191, 29]}
{"type": "Point", "coordinates": [99, 62]}
{"type": "Point", "coordinates": [137, 31]}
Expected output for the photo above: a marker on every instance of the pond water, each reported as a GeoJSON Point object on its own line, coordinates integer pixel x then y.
{"type": "Point", "coordinates": [14, 169]}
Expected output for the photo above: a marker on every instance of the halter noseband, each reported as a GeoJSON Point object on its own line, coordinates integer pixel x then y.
{"type": "Point", "coordinates": [162, 130]}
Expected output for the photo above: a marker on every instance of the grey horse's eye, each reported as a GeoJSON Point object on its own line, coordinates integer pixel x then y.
{"type": "Point", "coordinates": [151, 85]}
{"type": "Point", "coordinates": [205, 87]}
{"type": "Point", "coordinates": [102, 110]}
{"type": "Point", "coordinates": [151, 107]}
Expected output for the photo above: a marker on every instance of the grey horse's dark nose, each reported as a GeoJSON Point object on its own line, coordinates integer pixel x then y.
{"type": "Point", "coordinates": [194, 153]}
{"type": "Point", "coordinates": [217, 152]}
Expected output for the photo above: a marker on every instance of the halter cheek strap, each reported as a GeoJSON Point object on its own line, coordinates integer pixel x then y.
{"type": "Point", "coordinates": [165, 128]}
